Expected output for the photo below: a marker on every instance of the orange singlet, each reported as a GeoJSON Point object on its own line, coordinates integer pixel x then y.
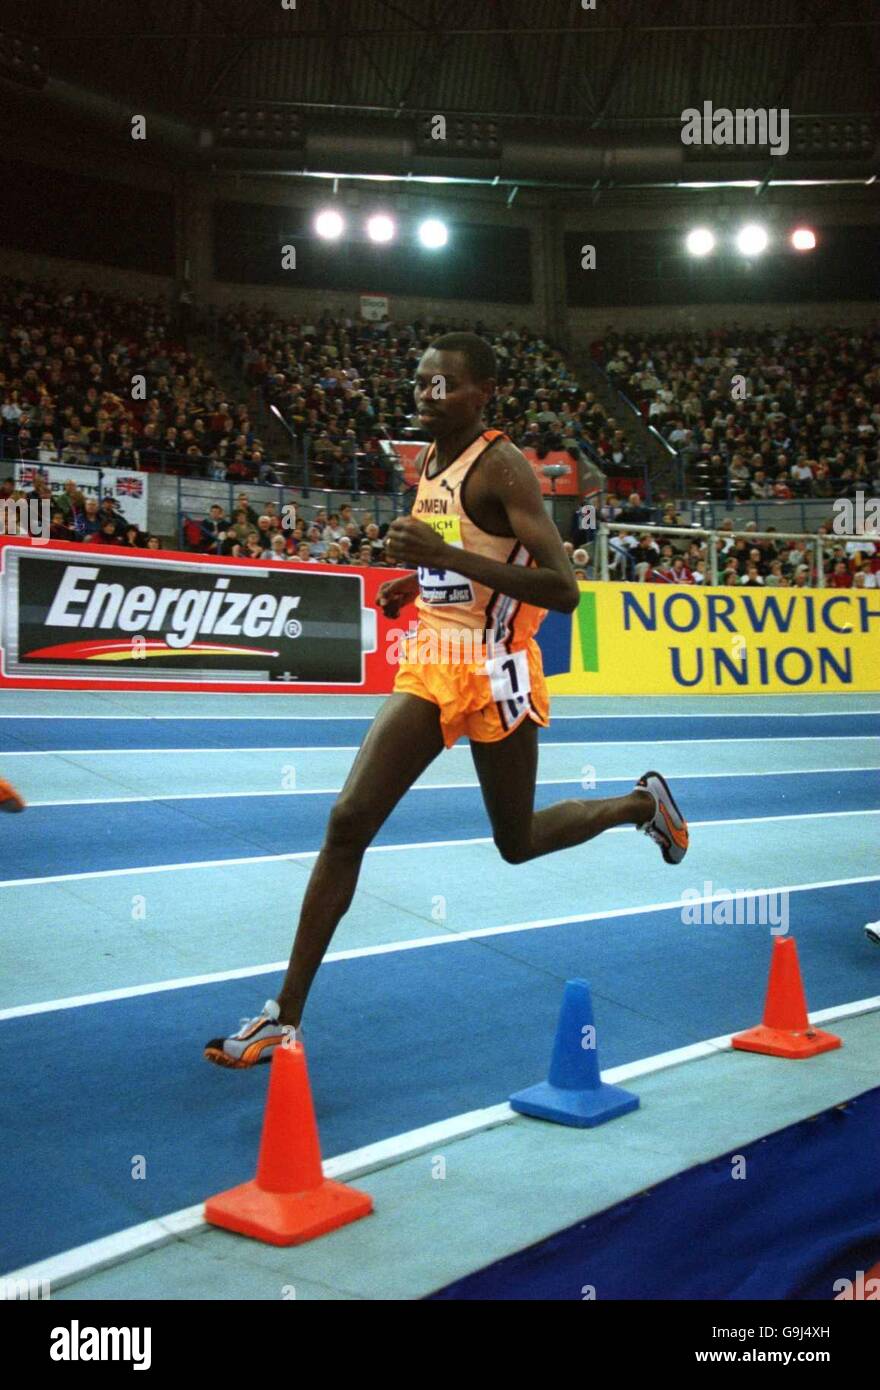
{"type": "Point", "coordinates": [473, 653]}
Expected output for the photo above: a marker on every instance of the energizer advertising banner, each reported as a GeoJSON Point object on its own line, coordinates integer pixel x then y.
{"type": "Point", "coordinates": [71, 615]}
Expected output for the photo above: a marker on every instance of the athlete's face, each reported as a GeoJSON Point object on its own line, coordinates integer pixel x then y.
{"type": "Point", "coordinates": [447, 398]}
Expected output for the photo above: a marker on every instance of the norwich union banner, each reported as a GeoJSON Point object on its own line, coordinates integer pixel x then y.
{"type": "Point", "coordinates": [652, 639]}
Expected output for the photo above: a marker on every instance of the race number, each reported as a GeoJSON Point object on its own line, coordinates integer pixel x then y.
{"type": "Point", "coordinates": [510, 678]}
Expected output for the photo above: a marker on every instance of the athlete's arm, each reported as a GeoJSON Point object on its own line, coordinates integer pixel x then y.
{"type": "Point", "coordinates": [512, 483]}
{"type": "Point", "coordinates": [395, 594]}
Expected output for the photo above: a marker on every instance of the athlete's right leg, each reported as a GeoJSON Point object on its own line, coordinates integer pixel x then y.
{"type": "Point", "coordinates": [403, 740]}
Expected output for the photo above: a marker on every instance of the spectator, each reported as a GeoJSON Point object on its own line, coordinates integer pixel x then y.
{"type": "Point", "coordinates": [109, 512]}
{"type": "Point", "coordinates": [646, 557]}
{"type": "Point", "coordinates": [255, 548]}
{"type": "Point", "coordinates": [107, 533]}
{"type": "Point", "coordinates": [88, 521]}
{"type": "Point", "coordinates": [316, 542]}
{"type": "Point", "coordinates": [841, 577]}
{"type": "Point", "coordinates": [752, 579]}
{"type": "Point", "coordinates": [774, 578]}
{"type": "Point", "coordinates": [59, 529]}
{"type": "Point", "coordinates": [333, 531]}
{"type": "Point", "coordinates": [634, 513]}
{"type": "Point", "coordinates": [213, 529]}
{"type": "Point", "coordinates": [680, 572]}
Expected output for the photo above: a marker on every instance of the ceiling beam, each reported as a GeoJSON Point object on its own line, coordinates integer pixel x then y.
{"type": "Point", "coordinates": [632, 37]}
{"type": "Point", "coordinates": [439, 44]}
{"type": "Point", "coordinates": [241, 42]}
{"type": "Point", "coordinates": [514, 70]}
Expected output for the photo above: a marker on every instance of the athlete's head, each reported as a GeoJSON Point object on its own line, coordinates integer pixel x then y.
{"type": "Point", "coordinates": [455, 380]}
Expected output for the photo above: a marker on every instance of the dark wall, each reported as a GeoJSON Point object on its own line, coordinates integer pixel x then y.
{"type": "Point", "coordinates": [61, 214]}
{"type": "Point", "coordinates": [653, 267]}
{"type": "Point", "coordinates": [483, 263]}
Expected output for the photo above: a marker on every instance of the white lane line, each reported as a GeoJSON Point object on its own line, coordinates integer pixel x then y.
{"type": "Point", "coordinates": [84, 1260]}
{"type": "Point", "coordinates": [107, 996]}
{"type": "Point", "coordinates": [353, 748]}
{"type": "Point", "coordinates": [443, 786]}
{"type": "Point", "coordinates": [418, 845]}
{"type": "Point", "coordinates": [365, 718]}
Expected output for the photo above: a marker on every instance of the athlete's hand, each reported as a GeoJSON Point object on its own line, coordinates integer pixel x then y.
{"type": "Point", "coordinates": [394, 594]}
{"type": "Point", "coordinates": [414, 543]}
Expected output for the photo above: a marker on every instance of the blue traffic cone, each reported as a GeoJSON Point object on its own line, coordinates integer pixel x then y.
{"type": "Point", "coordinates": [574, 1093]}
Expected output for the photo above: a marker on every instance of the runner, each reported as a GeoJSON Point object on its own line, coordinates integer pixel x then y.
{"type": "Point", "coordinates": [489, 563]}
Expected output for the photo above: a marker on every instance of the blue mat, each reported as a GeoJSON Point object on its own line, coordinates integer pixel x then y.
{"type": "Point", "coordinates": [790, 1230]}
{"type": "Point", "coordinates": [395, 1041]}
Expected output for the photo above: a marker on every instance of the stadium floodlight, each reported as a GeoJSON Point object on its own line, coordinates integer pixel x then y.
{"type": "Point", "coordinates": [803, 239]}
{"type": "Point", "coordinates": [380, 228]}
{"type": "Point", "coordinates": [752, 240]}
{"type": "Point", "coordinates": [433, 234]}
{"type": "Point", "coordinates": [329, 224]}
{"type": "Point", "coordinates": [700, 241]}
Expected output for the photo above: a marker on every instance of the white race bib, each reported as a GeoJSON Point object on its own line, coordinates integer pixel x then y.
{"type": "Point", "coordinates": [510, 678]}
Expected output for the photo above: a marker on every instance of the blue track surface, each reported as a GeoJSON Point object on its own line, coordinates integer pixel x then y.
{"type": "Point", "coordinates": [87, 1089]}
{"type": "Point", "coordinates": [78, 839]}
{"type": "Point", "coordinates": [21, 735]}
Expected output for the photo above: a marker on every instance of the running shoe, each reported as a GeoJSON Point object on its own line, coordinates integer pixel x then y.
{"type": "Point", "coordinates": [254, 1042]}
{"type": "Point", "coordinates": [9, 798]}
{"type": "Point", "coordinates": [667, 827]}
{"type": "Point", "coordinates": [872, 932]}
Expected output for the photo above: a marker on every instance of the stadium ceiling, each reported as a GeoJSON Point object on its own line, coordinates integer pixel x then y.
{"type": "Point", "coordinates": [541, 92]}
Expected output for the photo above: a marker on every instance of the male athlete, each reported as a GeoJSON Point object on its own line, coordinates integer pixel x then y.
{"type": "Point", "coordinates": [489, 563]}
{"type": "Point", "coordinates": [9, 798]}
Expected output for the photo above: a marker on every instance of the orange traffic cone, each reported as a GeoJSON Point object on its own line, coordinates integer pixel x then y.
{"type": "Point", "coordinates": [290, 1201]}
{"type": "Point", "coordinates": [786, 1030]}
{"type": "Point", "coordinates": [9, 797]}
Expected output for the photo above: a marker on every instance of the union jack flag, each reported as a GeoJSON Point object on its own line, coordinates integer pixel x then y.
{"type": "Point", "coordinates": [130, 487]}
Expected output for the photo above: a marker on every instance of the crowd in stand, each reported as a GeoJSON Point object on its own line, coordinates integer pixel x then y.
{"type": "Point", "coordinates": [70, 391]}
{"type": "Point", "coordinates": [766, 561]}
{"type": "Point", "coordinates": [100, 380]}
{"type": "Point", "coordinates": [759, 415]}
{"type": "Point", "coordinates": [72, 515]}
{"type": "Point", "coordinates": [331, 538]}
{"type": "Point", "coordinates": [344, 386]}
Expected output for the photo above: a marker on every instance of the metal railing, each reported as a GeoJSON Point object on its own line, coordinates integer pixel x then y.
{"type": "Point", "coordinates": [816, 542]}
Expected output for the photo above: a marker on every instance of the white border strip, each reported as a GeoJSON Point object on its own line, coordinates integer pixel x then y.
{"type": "Point", "coordinates": [367, 718]}
{"type": "Point", "coordinates": [354, 747]}
{"type": "Point", "coordinates": [419, 845]}
{"type": "Point", "coordinates": [78, 1001]}
{"type": "Point", "coordinates": [84, 1260]}
{"type": "Point", "coordinates": [446, 786]}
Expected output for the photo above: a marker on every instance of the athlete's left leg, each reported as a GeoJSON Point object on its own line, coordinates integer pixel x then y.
{"type": "Point", "coordinates": [507, 771]}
